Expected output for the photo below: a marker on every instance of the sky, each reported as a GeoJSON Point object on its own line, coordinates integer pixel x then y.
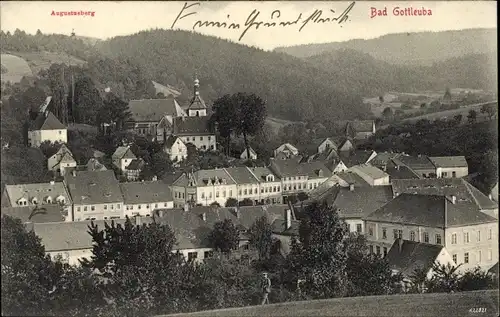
{"type": "Point", "coordinates": [118, 18]}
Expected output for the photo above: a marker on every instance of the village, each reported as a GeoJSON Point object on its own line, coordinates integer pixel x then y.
{"type": "Point", "coordinates": [412, 210]}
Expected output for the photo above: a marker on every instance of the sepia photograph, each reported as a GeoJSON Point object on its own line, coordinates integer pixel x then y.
{"type": "Point", "coordinates": [249, 158]}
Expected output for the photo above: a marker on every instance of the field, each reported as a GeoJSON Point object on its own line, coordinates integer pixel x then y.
{"type": "Point", "coordinates": [14, 68]}
{"type": "Point", "coordinates": [42, 60]}
{"type": "Point", "coordinates": [277, 124]}
{"type": "Point", "coordinates": [457, 304]}
{"type": "Point", "coordinates": [448, 114]}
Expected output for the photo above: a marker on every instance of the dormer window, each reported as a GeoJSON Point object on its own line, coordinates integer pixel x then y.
{"type": "Point", "coordinates": [270, 178]}
{"type": "Point", "coordinates": [48, 200]}
{"type": "Point", "coordinates": [61, 199]}
{"type": "Point", "coordinates": [22, 202]}
{"type": "Point", "coordinates": [34, 201]}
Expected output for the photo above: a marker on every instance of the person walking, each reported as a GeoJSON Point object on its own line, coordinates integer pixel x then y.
{"type": "Point", "coordinates": [266, 288]}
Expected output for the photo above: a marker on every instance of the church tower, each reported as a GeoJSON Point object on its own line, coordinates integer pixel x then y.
{"type": "Point", "coordinates": [197, 107]}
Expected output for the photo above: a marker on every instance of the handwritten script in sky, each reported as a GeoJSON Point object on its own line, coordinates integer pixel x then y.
{"type": "Point", "coordinates": [259, 21]}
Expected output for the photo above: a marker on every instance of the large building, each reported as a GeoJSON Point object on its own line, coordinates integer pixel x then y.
{"type": "Point", "coordinates": [143, 198]}
{"type": "Point", "coordinates": [61, 161]}
{"type": "Point", "coordinates": [46, 128]}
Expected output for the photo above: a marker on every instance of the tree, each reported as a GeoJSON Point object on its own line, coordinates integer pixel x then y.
{"type": "Point", "coordinates": [115, 111]}
{"type": "Point", "coordinates": [472, 117]}
{"type": "Point", "coordinates": [224, 116]}
{"type": "Point", "coordinates": [320, 255]}
{"type": "Point", "coordinates": [216, 204]}
{"type": "Point", "coordinates": [419, 279]}
{"type": "Point", "coordinates": [260, 234]}
{"type": "Point", "coordinates": [381, 99]}
{"type": "Point", "coordinates": [48, 148]}
{"type": "Point", "coordinates": [387, 113]}
{"type": "Point", "coordinates": [224, 236]}
{"type": "Point", "coordinates": [475, 279]}
{"type": "Point", "coordinates": [231, 202]}
{"type": "Point", "coordinates": [489, 109]}
{"type": "Point", "coordinates": [302, 196]}
{"type": "Point", "coordinates": [457, 118]}
{"type": "Point", "coordinates": [28, 275]}
{"type": "Point", "coordinates": [161, 164]}
{"type": "Point", "coordinates": [246, 202]}
{"type": "Point", "coordinates": [88, 101]}
{"type": "Point", "coordinates": [447, 94]}
{"type": "Point", "coordinates": [445, 278]}
{"type": "Point", "coordinates": [292, 198]}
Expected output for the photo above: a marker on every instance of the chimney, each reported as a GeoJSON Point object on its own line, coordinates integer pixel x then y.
{"type": "Point", "coordinates": [52, 182]}
{"type": "Point", "coordinates": [453, 199]}
{"type": "Point", "coordinates": [46, 113]}
{"type": "Point", "coordinates": [400, 244]}
{"type": "Point", "coordinates": [490, 197]}
{"type": "Point", "coordinates": [204, 216]}
{"type": "Point", "coordinates": [384, 168]}
{"type": "Point", "coordinates": [351, 187]}
{"type": "Point", "coordinates": [397, 167]}
{"type": "Point", "coordinates": [155, 178]}
{"type": "Point", "coordinates": [288, 219]}
{"type": "Point", "coordinates": [161, 213]}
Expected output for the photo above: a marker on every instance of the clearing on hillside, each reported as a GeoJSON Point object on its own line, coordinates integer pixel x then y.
{"type": "Point", "coordinates": [42, 60]}
{"type": "Point", "coordinates": [14, 68]}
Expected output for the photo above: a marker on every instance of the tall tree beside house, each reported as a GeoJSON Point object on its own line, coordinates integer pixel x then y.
{"type": "Point", "coordinates": [88, 101]}
{"type": "Point", "coordinates": [223, 118]}
{"type": "Point", "coordinates": [320, 255]}
{"type": "Point", "coordinates": [28, 275]}
{"type": "Point", "coordinates": [419, 280]}
{"type": "Point", "coordinates": [261, 237]}
{"type": "Point", "coordinates": [114, 110]}
{"type": "Point", "coordinates": [224, 237]}
{"type": "Point", "coordinates": [446, 278]}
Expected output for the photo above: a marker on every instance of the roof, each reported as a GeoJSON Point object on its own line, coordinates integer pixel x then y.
{"type": "Point", "coordinates": [361, 201]}
{"type": "Point", "coordinates": [145, 192]}
{"type": "Point", "coordinates": [413, 255]}
{"type": "Point", "coordinates": [202, 177]}
{"type": "Point", "coordinates": [355, 157]}
{"type": "Point", "coordinates": [94, 165]}
{"type": "Point", "coordinates": [415, 162]}
{"type": "Point", "coordinates": [430, 211]}
{"type": "Point", "coordinates": [287, 146]}
{"type": "Point", "coordinates": [401, 172]}
{"type": "Point", "coordinates": [494, 269]}
{"type": "Point", "coordinates": [123, 152]}
{"type": "Point", "coordinates": [192, 126]}
{"type": "Point", "coordinates": [153, 110]}
{"type": "Point", "coordinates": [262, 172]}
{"type": "Point", "coordinates": [171, 140]}
{"type": "Point", "coordinates": [135, 165]}
{"type": "Point", "coordinates": [252, 152]}
{"type": "Point", "coordinates": [351, 178]}
{"type": "Point", "coordinates": [197, 103]}
{"type": "Point", "coordinates": [279, 227]}
{"type": "Point", "coordinates": [288, 168]}
{"type": "Point", "coordinates": [449, 161]}
{"type": "Point", "coordinates": [458, 187]}
{"type": "Point", "coordinates": [38, 191]}
{"type": "Point", "coordinates": [88, 188]}
{"type": "Point", "coordinates": [369, 170]}
{"type": "Point", "coordinates": [383, 158]}
{"type": "Point", "coordinates": [48, 213]}
{"type": "Point", "coordinates": [242, 175]}
{"type": "Point", "coordinates": [47, 121]}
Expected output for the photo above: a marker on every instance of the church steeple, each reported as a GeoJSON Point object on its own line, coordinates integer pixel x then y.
{"type": "Point", "coordinates": [196, 86]}
{"type": "Point", "coordinates": [197, 107]}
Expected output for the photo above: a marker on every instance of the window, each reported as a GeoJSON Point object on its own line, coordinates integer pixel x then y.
{"type": "Point", "coordinates": [139, 207]}
{"type": "Point", "coordinates": [201, 138]}
{"type": "Point", "coordinates": [370, 231]}
{"type": "Point", "coordinates": [78, 209]}
{"type": "Point", "coordinates": [210, 195]}
{"type": "Point", "coordinates": [156, 205]}
{"type": "Point", "coordinates": [112, 206]}
{"type": "Point", "coordinates": [359, 228]}
{"type": "Point", "coordinates": [445, 174]}
{"type": "Point", "coordinates": [202, 195]}
{"type": "Point", "coordinates": [454, 238]}
{"type": "Point", "coordinates": [466, 237]}
{"type": "Point", "coordinates": [490, 234]}
{"type": "Point", "coordinates": [209, 138]}
{"type": "Point", "coordinates": [455, 258]}
{"type": "Point", "coordinates": [208, 254]}
{"type": "Point", "coordinates": [438, 238]}
{"type": "Point", "coordinates": [453, 174]}
{"type": "Point", "coordinates": [60, 132]}
{"type": "Point", "coordinates": [224, 193]}
{"type": "Point", "coordinates": [378, 250]}
{"type": "Point", "coordinates": [118, 206]}
{"type": "Point", "coordinates": [400, 234]}
{"type": "Point", "coordinates": [426, 237]}
{"type": "Point", "coordinates": [395, 233]}
{"type": "Point", "coordinates": [192, 256]}
{"type": "Point", "coordinates": [349, 227]}
{"type": "Point", "coordinates": [466, 257]}
{"type": "Point", "coordinates": [384, 233]}
{"type": "Point", "coordinates": [165, 204]}
{"type": "Point", "coordinates": [230, 193]}
{"type": "Point", "coordinates": [385, 251]}
{"type": "Point", "coordinates": [239, 192]}
{"type": "Point", "coordinates": [105, 207]}
{"type": "Point", "coordinates": [217, 194]}
{"type": "Point", "coordinates": [478, 236]}
{"type": "Point", "coordinates": [489, 255]}
{"type": "Point", "coordinates": [371, 249]}
{"type": "Point", "coordinates": [412, 235]}
{"type": "Point", "coordinates": [479, 256]}
{"type": "Point", "coordinates": [85, 208]}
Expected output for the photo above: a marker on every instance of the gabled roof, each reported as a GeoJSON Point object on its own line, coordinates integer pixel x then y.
{"type": "Point", "coordinates": [279, 227]}
{"type": "Point", "coordinates": [383, 158]}
{"type": "Point", "coordinates": [38, 191]}
{"type": "Point", "coordinates": [430, 211]}
{"type": "Point", "coordinates": [288, 168]}
{"type": "Point", "coordinates": [88, 188]}
{"type": "Point", "coordinates": [401, 172]}
{"type": "Point", "coordinates": [203, 177]}
{"type": "Point", "coordinates": [123, 152]}
{"type": "Point", "coordinates": [242, 175]}
{"type": "Point", "coordinates": [413, 255]}
{"type": "Point", "coordinates": [351, 178]}
{"type": "Point", "coordinates": [171, 141]}
{"type": "Point", "coordinates": [287, 146]}
{"type": "Point", "coordinates": [369, 170]}
{"type": "Point", "coordinates": [415, 162]}
{"type": "Point", "coordinates": [262, 172]}
{"type": "Point", "coordinates": [135, 165]}
{"type": "Point", "coordinates": [66, 158]}
{"type": "Point", "coordinates": [355, 157]}
{"type": "Point", "coordinates": [361, 201]}
{"type": "Point", "coordinates": [145, 192]}
{"type": "Point", "coordinates": [94, 165]}
{"type": "Point", "coordinates": [153, 110]}
{"type": "Point", "coordinates": [252, 152]}
{"type": "Point", "coordinates": [449, 161]}
{"type": "Point", "coordinates": [46, 213]}
{"type": "Point", "coordinates": [47, 121]}
{"type": "Point", "coordinates": [494, 269]}
{"type": "Point", "coordinates": [197, 103]}
{"type": "Point", "coordinates": [187, 126]}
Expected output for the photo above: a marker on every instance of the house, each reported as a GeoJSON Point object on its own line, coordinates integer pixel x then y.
{"type": "Point", "coordinates": [95, 165]}
{"type": "Point", "coordinates": [197, 106]}
{"type": "Point", "coordinates": [336, 166]}
{"type": "Point", "coordinates": [175, 148]}
{"type": "Point", "coordinates": [450, 166]}
{"type": "Point", "coordinates": [362, 129]}
{"type": "Point", "coordinates": [357, 157]}
{"type": "Point", "coordinates": [204, 187]}
{"type": "Point", "coordinates": [95, 195]}
{"type": "Point", "coordinates": [36, 214]}
{"type": "Point", "coordinates": [39, 195]}
{"type": "Point", "coordinates": [152, 118]}
{"type": "Point", "coordinates": [122, 157]}
{"type": "Point", "coordinates": [400, 172]}
{"type": "Point", "coordinates": [371, 174]}
{"type": "Point", "coordinates": [133, 170]}
{"type": "Point", "coordinates": [346, 144]}
{"type": "Point", "coordinates": [61, 160]}
{"type": "Point", "coordinates": [269, 184]}
{"type": "Point", "coordinates": [420, 164]}
{"type": "Point", "coordinates": [142, 198]}
{"type": "Point", "coordinates": [197, 131]}
{"type": "Point", "coordinates": [284, 229]}
{"type": "Point", "coordinates": [383, 159]}
{"type": "Point", "coordinates": [247, 184]}
{"type": "Point", "coordinates": [457, 187]}
{"type": "Point", "coordinates": [406, 256]}
{"type": "Point", "coordinates": [348, 179]}
{"type": "Point", "coordinates": [353, 203]}
{"type": "Point", "coordinates": [286, 150]}
{"type": "Point", "coordinates": [468, 234]}
{"type": "Point", "coordinates": [46, 128]}
{"type": "Point", "coordinates": [244, 154]}
{"type": "Point", "coordinates": [493, 271]}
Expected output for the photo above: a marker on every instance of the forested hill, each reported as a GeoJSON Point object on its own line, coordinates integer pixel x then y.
{"type": "Point", "coordinates": [292, 88]}
{"type": "Point", "coordinates": [420, 48]}
{"type": "Point", "coordinates": [371, 76]}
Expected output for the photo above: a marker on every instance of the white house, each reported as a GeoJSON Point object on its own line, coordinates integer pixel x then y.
{"type": "Point", "coordinates": [175, 148]}
{"type": "Point", "coordinates": [287, 150]}
{"type": "Point", "coordinates": [142, 198]}
{"type": "Point", "coordinates": [122, 157]}
{"type": "Point", "coordinates": [450, 166]}
{"type": "Point", "coordinates": [371, 174]}
{"type": "Point", "coordinates": [47, 127]}
{"type": "Point", "coordinates": [270, 185]}
{"type": "Point", "coordinates": [61, 160]}
{"type": "Point", "coordinates": [244, 154]}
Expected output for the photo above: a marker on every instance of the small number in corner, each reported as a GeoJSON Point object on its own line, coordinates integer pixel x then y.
{"type": "Point", "coordinates": [476, 310]}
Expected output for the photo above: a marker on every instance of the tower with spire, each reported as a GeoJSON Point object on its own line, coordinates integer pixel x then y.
{"type": "Point", "coordinates": [197, 107]}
